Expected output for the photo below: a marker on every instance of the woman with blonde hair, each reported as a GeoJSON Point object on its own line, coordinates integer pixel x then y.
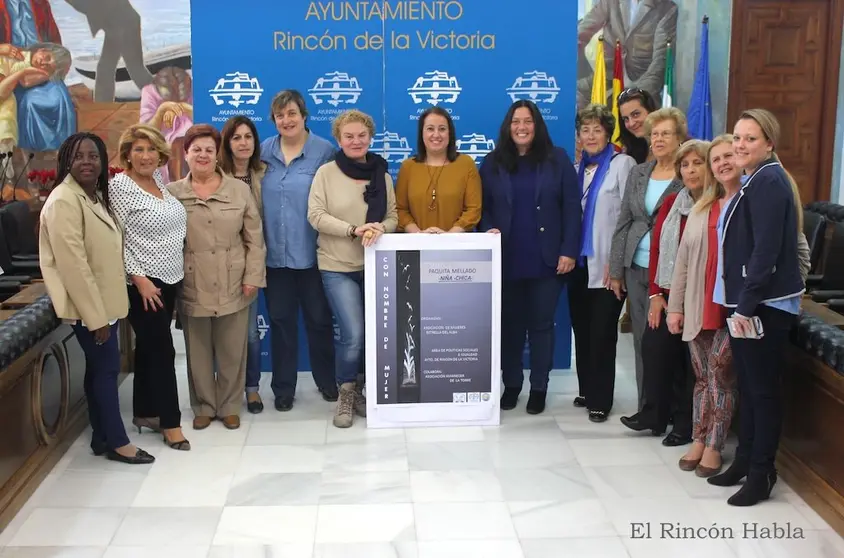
{"type": "Point", "coordinates": [702, 322]}
{"type": "Point", "coordinates": [762, 287]}
{"type": "Point", "coordinates": [351, 204]}
{"type": "Point", "coordinates": [155, 225]}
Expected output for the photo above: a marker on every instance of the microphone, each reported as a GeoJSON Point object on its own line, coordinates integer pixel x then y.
{"type": "Point", "coordinates": [8, 157]}
{"type": "Point", "coordinates": [23, 170]}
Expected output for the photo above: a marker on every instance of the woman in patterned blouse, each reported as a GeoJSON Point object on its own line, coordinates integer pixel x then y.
{"type": "Point", "coordinates": [155, 225]}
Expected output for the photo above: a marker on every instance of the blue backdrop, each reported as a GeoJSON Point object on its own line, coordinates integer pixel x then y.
{"type": "Point", "coordinates": [391, 59]}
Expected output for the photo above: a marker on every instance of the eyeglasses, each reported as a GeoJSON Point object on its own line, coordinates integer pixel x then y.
{"type": "Point", "coordinates": [663, 135]}
{"type": "Point", "coordinates": [629, 94]}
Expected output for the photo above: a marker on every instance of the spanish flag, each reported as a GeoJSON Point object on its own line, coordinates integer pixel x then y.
{"type": "Point", "coordinates": [599, 81]}
{"type": "Point", "coordinates": [617, 88]}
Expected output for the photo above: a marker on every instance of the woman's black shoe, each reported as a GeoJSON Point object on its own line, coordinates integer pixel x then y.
{"type": "Point", "coordinates": [674, 439]}
{"type": "Point", "coordinates": [140, 458]}
{"type": "Point", "coordinates": [509, 399]}
{"type": "Point", "coordinates": [732, 476]}
{"type": "Point", "coordinates": [598, 416]}
{"type": "Point", "coordinates": [330, 394]}
{"type": "Point", "coordinates": [636, 423]}
{"type": "Point", "coordinates": [579, 401]}
{"type": "Point", "coordinates": [756, 488]}
{"type": "Point", "coordinates": [536, 402]}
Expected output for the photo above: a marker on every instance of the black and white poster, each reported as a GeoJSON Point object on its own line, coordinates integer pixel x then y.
{"type": "Point", "coordinates": [433, 314]}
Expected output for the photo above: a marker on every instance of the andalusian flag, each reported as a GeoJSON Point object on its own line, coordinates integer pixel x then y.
{"type": "Point", "coordinates": [617, 88]}
{"type": "Point", "coordinates": [599, 81]}
{"type": "Point", "coordinates": [668, 87]}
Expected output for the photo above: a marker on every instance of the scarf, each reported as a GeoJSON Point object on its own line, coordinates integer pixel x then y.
{"type": "Point", "coordinates": [669, 239]}
{"type": "Point", "coordinates": [602, 159]}
{"type": "Point", "coordinates": [374, 170]}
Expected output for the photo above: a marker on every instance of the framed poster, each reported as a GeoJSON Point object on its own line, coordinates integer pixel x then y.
{"type": "Point", "coordinates": [433, 330]}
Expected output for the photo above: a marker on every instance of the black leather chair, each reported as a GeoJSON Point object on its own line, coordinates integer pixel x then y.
{"type": "Point", "coordinates": [830, 282]}
{"type": "Point", "coordinates": [821, 340]}
{"type": "Point", "coordinates": [24, 269]}
{"type": "Point", "coordinates": [25, 328]}
{"type": "Point", "coordinates": [19, 230]}
{"type": "Point", "coordinates": [814, 227]}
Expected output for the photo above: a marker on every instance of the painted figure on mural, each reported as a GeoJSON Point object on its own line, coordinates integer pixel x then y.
{"type": "Point", "coordinates": [121, 26]}
{"type": "Point", "coordinates": [22, 69]}
{"type": "Point", "coordinates": [43, 108]}
{"type": "Point", "coordinates": [644, 28]}
{"type": "Point", "coordinates": [167, 104]}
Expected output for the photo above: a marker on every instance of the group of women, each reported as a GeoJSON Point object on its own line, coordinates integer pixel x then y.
{"type": "Point", "coordinates": [696, 237]}
{"type": "Point", "coordinates": [665, 224]}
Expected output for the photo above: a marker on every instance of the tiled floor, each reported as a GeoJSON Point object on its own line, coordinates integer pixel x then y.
{"type": "Point", "coordinates": [290, 485]}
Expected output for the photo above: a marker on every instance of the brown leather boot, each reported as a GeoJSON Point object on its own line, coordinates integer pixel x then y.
{"type": "Point", "coordinates": [201, 423]}
{"type": "Point", "coordinates": [232, 422]}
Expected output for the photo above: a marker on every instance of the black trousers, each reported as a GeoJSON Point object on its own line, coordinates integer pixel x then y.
{"type": "Point", "coordinates": [594, 319]}
{"type": "Point", "coordinates": [668, 379]}
{"type": "Point", "coordinates": [155, 390]}
{"type": "Point", "coordinates": [528, 307]}
{"type": "Point", "coordinates": [758, 365]}
{"type": "Point", "coordinates": [287, 290]}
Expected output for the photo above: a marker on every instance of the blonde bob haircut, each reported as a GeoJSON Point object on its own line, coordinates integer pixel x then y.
{"type": "Point", "coordinates": [138, 132]}
{"type": "Point", "coordinates": [712, 189]}
{"type": "Point", "coordinates": [681, 126]}
{"type": "Point", "coordinates": [352, 116]}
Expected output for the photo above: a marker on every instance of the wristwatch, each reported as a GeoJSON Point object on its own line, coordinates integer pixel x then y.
{"type": "Point", "coordinates": [352, 229]}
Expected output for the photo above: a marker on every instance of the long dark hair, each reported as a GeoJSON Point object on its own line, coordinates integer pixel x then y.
{"type": "Point", "coordinates": [635, 147]}
{"type": "Point", "coordinates": [451, 150]}
{"type": "Point", "coordinates": [506, 154]}
{"type": "Point", "coordinates": [226, 156]}
{"type": "Point", "coordinates": [67, 152]}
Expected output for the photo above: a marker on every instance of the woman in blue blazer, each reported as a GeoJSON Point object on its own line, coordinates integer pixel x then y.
{"type": "Point", "coordinates": [531, 198]}
{"type": "Point", "coordinates": [758, 262]}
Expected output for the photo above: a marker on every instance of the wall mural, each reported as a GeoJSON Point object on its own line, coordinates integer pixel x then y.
{"type": "Point", "coordinates": [98, 65]}
{"type": "Point", "coordinates": [101, 65]}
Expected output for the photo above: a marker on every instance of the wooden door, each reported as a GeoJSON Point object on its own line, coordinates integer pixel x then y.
{"type": "Point", "coordinates": [785, 57]}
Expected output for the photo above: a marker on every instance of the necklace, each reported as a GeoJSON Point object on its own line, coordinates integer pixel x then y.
{"type": "Point", "coordinates": [433, 182]}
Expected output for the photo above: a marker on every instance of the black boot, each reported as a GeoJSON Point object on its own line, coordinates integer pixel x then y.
{"type": "Point", "coordinates": [509, 399]}
{"type": "Point", "coordinates": [536, 402]}
{"type": "Point", "coordinates": [732, 476]}
{"type": "Point", "coordinates": [756, 488]}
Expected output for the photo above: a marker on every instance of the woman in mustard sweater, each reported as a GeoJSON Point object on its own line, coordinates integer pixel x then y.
{"type": "Point", "coordinates": [438, 190]}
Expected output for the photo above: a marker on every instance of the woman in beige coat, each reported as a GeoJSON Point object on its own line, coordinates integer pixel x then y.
{"type": "Point", "coordinates": [224, 268]}
{"type": "Point", "coordinates": [81, 258]}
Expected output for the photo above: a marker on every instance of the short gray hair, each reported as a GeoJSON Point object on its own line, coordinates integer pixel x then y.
{"type": "Point", "coordinates": [284, 98]}
{"type": "Point", "coordinates": [601, 114]}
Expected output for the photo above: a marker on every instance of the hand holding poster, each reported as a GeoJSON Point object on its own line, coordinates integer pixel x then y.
{"type": "Point", "coordinates": [433, 330]}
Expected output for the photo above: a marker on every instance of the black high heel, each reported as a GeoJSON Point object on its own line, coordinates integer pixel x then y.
{"type": "Point", "coordinates": [140, 458]}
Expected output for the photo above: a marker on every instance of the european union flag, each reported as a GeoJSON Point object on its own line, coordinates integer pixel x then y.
{"type": "Point", "coordinates": [700, 104]}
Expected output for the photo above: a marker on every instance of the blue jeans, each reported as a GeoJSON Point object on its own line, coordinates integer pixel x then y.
{"type": "Point", "coordinates": [345, 296]}
{"type": "Point", "coordinates": [253, 351]}
{"type": "Point", "coordinates": [102, 365]}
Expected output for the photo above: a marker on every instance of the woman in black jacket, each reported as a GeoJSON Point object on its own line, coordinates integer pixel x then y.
{"type": "Point", "coordinates": [531, 197]}
{"type": "Point", "coordinates": [758, 261]}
